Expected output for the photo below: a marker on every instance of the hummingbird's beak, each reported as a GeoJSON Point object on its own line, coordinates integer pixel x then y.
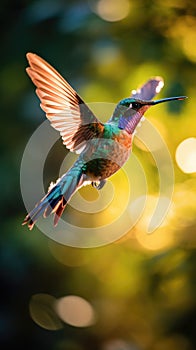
{"type": "Point", "coordinates": [167, 99]}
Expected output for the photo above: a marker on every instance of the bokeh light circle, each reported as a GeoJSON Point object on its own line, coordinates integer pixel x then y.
{"type": "Point", "coordinates": [75, 311]}
{"type": "Point", "coordinates": [186, 155]}
{"type": "Point", "coordinates": [112, 10]}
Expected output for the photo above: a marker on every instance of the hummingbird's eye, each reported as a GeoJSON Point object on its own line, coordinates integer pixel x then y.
{"type": "Point", "coordinates": [136, 105]}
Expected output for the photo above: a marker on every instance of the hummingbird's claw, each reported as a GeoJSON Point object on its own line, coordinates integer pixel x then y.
{"type": "Point", "coordinates": [98, 184]}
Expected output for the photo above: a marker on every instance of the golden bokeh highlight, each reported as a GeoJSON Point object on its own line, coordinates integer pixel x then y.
{"type": "Point", "coordinates": [184, 31]}
{"type": "Point", "coordinates": [112, 10]}
{"type": "Point", "coordinates": [186, 155]}
{"type": "Point", "coordinates": [75, 311]}
{"type": "Point", "coordinates": [160, 238]}
{"type": "Point", "coordinates": [118, 204]}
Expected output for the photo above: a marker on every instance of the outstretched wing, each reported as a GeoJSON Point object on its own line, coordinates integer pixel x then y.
{"type": "Point", "coordinates": [64, 108]}
{"type": "Point", "coordinates": [150, 89]}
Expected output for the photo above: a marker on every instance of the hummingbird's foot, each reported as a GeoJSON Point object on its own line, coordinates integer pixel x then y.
{"type": "Point", "coordinates": [98, 184]}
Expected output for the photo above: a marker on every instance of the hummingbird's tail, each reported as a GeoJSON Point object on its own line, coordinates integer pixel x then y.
{"type": "Point", "coordinates": [57, 197]}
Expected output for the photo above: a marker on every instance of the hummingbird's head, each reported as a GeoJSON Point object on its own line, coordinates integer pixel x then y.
{"type": "Point", "coordinates": [130, 110]}
{"type": "Point", "coordinates": [134, 105]}
{"type": "Point", "coordinates": [142, 105]}
{"type": "Point", "coordinates": [131, 102]}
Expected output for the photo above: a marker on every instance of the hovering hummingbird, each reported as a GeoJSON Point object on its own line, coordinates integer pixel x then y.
{"type": "Point", "coordinates": [102, 148]}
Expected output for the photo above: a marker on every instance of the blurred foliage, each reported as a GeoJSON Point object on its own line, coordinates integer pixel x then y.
{"type": "Point", "coordinates": [142, 289]}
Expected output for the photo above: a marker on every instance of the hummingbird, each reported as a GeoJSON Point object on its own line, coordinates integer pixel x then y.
{"type": "Point", "coordinates": [103, 148]}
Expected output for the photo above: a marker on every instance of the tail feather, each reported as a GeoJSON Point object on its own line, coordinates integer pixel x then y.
{"type": "Point", "coordinates": [59, 210]}
{"type": "Point", "coordinates": [56, 199]}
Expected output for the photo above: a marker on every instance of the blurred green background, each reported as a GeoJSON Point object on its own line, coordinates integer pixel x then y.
{"type": "Point", "coordinates": [138, 293]}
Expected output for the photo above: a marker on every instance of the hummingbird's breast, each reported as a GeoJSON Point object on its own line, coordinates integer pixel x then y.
{"type": "Point", "coordinates": [104, 156]}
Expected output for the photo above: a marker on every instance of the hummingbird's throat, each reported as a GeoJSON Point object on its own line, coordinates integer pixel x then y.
{"type": "Point", "coordinates": [129, 121]}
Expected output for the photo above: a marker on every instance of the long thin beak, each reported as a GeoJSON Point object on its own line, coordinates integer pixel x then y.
{"type": "Point", "coordinates": [167, 99]}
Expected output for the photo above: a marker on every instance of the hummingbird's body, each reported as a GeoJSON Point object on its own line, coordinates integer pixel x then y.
{"type": "Point", "coordinates": [103, 148]}
{"type": "Point", "coordinates": [107, 153]}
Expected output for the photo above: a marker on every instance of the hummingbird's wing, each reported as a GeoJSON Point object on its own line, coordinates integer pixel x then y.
{"type": "Point", "coordinates": [64, 108]}
{"type": "Point", "coordinates": [150, 89]}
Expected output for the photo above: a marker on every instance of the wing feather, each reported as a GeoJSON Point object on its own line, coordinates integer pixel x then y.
{"type": "Point", "coordinates": [150, 89]}
{"type": "Point", "coordinates": [64, 108]}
